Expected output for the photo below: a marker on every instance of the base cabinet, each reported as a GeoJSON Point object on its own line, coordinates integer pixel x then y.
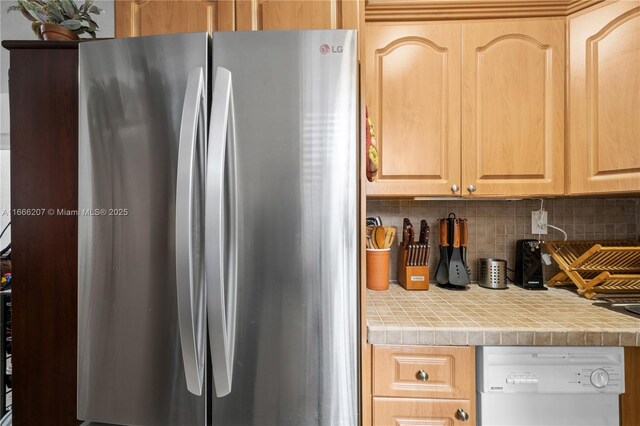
{"type": "Point", "coordinates": [427, 412]}
{"type": "Point", "coordinates": [423, 385]}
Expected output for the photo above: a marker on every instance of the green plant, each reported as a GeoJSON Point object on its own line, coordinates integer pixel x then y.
{"type": "Point", "coordinates": [61, 12]}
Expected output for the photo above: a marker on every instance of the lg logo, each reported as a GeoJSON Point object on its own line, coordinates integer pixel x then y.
{"type": "Point", "coordinates": [326, 49]}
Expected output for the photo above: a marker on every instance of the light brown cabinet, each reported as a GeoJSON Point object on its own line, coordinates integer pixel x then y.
{"type": "Point", "coordinates": [513, 107]}
{"type": "Point", "coordinates": [144, 17]}
{"type": "Point", "coordinates": [423, 385]}
{"type": "Point", "coordinates": [413, 94]}
{"type": "Point", "coordinates": [148, 17]}
{"type": "Point", "coordinates": [604, 99]}
{"type": "Point", "coordinates": [415, 412]}
{"type": "Point", "coordinates": [296, 15]}
{"type": "Point", "coordinates": [471, 109]}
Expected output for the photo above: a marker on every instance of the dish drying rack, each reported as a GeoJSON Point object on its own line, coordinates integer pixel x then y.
{"type": "Point", "coordinates": [606, 268]}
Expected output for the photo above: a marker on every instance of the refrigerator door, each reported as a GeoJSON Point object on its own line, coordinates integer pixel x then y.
{"type": "Point", "coordinates": [136, 354]}
{"type": "Point", "coordinates": [221, 235]}
{"type": "Point", "coordinates": [295, 358]}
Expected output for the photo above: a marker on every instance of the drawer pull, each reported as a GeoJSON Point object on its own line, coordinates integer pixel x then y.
{"type": "Point", "coordinates": [462, 415]}
{"type": "Point", "coordinates": [422, 375]}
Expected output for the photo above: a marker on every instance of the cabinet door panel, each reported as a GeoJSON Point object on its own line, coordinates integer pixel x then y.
{"type": "Point", "coordinates": [292, 14]}
{"type": "Point", "coordinates": [420, 412]}
{"type": "Point", "coordinates": [413, 95]}
{"type": "Point", "coordinates": [604, 99]}
{"type": "Point", "coordinates": [513, 100]}
{"type": "Point", "coordinates": [151, 17]}
{"type": "Point", "coordinates": [449, 371]}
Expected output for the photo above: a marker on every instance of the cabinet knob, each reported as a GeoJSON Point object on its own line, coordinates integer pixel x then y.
{"type": "Point", "coordinates": [454, 188]}
{"type": "Point", "coordinates": [462, 415]}
{"type": "Point", "coordinates": [471, 188]}
{"type": "Point", "coordinates": [422, 375]}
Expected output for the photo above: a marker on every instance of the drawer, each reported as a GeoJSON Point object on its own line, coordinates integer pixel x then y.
{"type": "Point", "coordinates": [420, 412]}
{"type": "Point", "coordinates": [424, 371]}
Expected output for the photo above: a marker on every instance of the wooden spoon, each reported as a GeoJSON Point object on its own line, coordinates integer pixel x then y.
{"type": "Point", "coordinates": [379, 237]}
{"type": "Point", "coordinates": [389, 236]}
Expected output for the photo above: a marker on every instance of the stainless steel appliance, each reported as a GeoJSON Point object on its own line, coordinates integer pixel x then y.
{"type": "Point", "coordinates": [549, 385]}
{"type": "Point", "coordinates": [218, 192]}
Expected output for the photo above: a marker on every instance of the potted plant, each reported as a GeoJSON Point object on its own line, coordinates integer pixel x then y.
{"type": "Point", "coordinates": [59, 19]}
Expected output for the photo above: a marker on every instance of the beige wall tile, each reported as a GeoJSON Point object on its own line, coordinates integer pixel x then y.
{"type": "Point", "coordinates": [494, 226]}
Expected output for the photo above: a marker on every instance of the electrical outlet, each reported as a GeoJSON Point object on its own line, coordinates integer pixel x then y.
{"type": "Point", "coordinates": [538, 222]}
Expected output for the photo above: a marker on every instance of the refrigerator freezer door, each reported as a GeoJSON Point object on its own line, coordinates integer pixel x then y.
{"type": "Point", "coordinates": [221, 235]}
{"type": "Point", "coordinates": [189, 210]}
{"type": "Point", "coordinates": [130, 362]}
{"type": "Point", "coordinates": [295, 97]}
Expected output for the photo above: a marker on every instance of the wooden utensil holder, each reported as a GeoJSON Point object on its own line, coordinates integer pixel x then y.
{"type": "Point", "coordinates": [411, 277]}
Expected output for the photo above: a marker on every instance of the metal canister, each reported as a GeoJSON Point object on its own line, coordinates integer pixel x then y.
{"type": "Point", "coordinates": [493, 273]}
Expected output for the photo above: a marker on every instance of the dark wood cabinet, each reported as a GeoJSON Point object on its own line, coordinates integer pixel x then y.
{"type": "Point", "coordinates": [43, 92]}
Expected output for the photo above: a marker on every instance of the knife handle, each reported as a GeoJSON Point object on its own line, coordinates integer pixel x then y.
{"type": "Point", "coordinates": [442, 231]}
{"type": "Point", "coordinates": [464, 233]}
{"type": "Point", "coordinates": [456, 233]}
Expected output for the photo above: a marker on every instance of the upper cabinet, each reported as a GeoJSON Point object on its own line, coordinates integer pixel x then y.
{"type": "Point", "coordinates": [148, 17]}
{"type": "Point", "coordinates": [604, 99]}
{"type": "Point", "coordinates": [296, 15]}
{"type": "Point", "coordinates": [413, 94]}
{"type": "Point", "coordinates": [471, 109]}
{"type": "Point", "coordinates": [513, 107]}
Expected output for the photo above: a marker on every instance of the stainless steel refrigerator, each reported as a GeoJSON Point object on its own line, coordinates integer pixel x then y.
{"type": "Point", "coordinates": [218, 217]}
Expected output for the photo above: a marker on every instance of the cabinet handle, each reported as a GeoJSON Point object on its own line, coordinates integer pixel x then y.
{"type": "Point", "coordinates": [454, 188]}
{"type": "Point", "coordinates": [472, 188]}
{"type": "Point", "coordinates": [462, 415]}
{"type": "Point", "coordinates": [422, 375]}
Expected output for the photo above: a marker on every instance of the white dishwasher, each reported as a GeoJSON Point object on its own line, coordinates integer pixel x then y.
{"type": "Point", "coordinates": [549, 385]}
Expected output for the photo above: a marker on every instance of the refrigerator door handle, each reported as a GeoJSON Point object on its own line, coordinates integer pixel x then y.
{"type": "Point", "coordinates": [221, 232]}
{"type": "Point", "coordinates": [191, 290]}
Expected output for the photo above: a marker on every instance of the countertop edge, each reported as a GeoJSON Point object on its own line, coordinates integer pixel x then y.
{"type": "Point", "coordinates": [473, 336]}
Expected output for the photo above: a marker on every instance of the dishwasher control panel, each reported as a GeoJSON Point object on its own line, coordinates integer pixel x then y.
{"type": "Point", "coordinates": [549, 369]}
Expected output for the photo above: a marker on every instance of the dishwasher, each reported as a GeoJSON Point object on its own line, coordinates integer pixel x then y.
{"type": "Point", "coordinates": [549, 385]}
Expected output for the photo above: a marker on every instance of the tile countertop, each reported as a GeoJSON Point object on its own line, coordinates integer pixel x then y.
{"type": "Point", "coordinates": [480, 316]}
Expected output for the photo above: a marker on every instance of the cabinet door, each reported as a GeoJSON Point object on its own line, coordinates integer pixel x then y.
{"type": "Point", "coordinates": [296, 14]}
{"type": "Point", "coordinates": [513, 107]}
{"type": "Point", "coordinates": [604, 99]}
{"type": "Point", "coordinates": [149, 17]}
{"type": "Point", "coordinates": [422, 412]}
{"type": "Point", "coordinates": [424, 371]}
{"type": "Point", "coordinates": [413, 95]}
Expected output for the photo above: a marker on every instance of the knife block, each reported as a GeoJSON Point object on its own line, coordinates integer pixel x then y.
{"type": "Point", "coordinates": [411, 277]}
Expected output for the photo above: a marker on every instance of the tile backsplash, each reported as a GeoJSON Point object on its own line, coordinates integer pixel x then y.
{"type": "Point", "coordinates": [495, 226]}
